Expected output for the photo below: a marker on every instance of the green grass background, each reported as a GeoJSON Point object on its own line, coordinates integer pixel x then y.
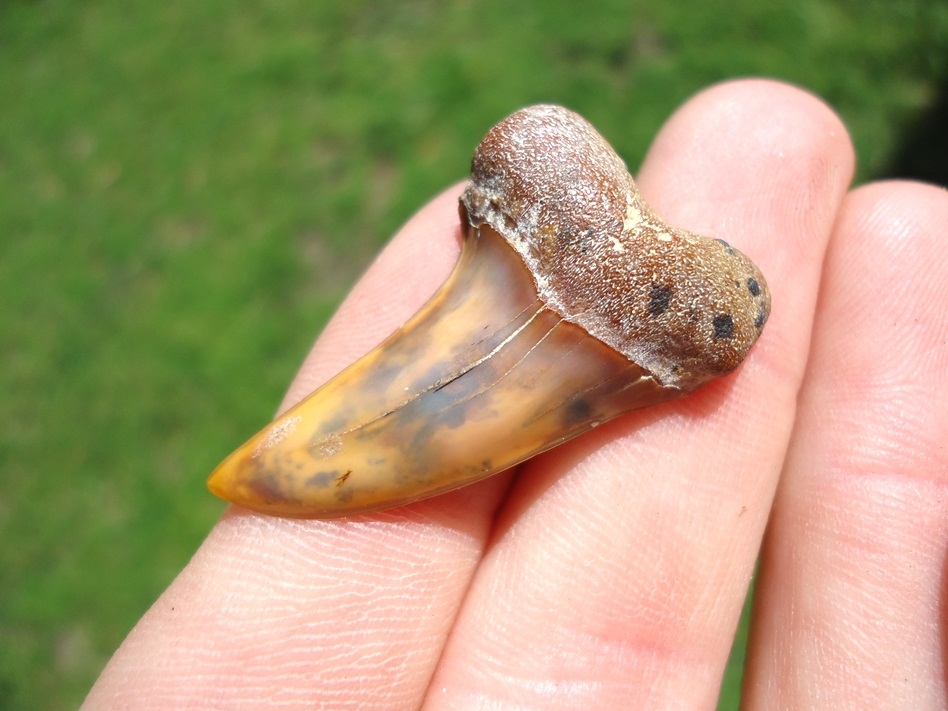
{"type": "Point", "coordinates": [187, 189]}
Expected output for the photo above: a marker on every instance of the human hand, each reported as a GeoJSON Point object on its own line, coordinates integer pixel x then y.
{"type": "Point", "coordinates": [610, 572]}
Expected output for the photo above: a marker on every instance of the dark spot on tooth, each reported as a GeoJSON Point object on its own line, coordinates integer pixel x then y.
{"type": "Point", "coordinates": [729, 248]}
{"type": "Point", "coordinates": [455, 417]}
{"type": "Point", "coordinates": [267, 488]}
{"type": "Point", "coordinates": [578, 411]}
{"type": "Point", "coordinates": [760, 320]}
{"type": "Point", "coordinates": [659, 299]}
{"type": "Point", "coordinates": [723, 326]}
{"type": "Point", "coordinates": [753, 287]}
{"type": "Point", "coordinates": [322, 479]}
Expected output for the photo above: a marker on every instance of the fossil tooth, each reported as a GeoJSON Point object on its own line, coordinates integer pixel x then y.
{"type": "Point", "coordinates": [571, 303]}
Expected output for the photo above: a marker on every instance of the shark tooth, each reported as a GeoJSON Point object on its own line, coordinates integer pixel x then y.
{"type": "Point", "coordinates": [571, 304]}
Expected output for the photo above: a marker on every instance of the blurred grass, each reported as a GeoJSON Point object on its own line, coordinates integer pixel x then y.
{"type": "Point", "coordinates": [188, 189]}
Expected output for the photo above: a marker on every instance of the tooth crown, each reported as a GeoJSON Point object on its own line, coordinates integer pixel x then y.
{"type": "Point", "coordinates": [684, 307]}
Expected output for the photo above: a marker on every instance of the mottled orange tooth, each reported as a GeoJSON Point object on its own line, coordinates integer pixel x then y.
{"type": "Point", "coordinates": [571, 304]}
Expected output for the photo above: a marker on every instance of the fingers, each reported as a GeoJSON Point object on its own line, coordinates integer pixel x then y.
{"type": "Point", "coordinates": [851, 606]}
{"type": "Point", "coordinates": [344, 614]}
{"type": "Point", "coordinates": [619, 564]}
{"type": "Point", "coordinates": [617, 570]}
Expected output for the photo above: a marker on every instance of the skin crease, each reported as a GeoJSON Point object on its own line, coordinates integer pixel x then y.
{"type": "Point", "coordinates": [609, 573]}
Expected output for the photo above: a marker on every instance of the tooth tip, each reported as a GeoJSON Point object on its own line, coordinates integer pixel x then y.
{"type": "Point", "coordinates": [236, 480]}
{"type": "Point", "coordinates": [219, 483]}
{"type": "Point", "coordinates": [226, 479]}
